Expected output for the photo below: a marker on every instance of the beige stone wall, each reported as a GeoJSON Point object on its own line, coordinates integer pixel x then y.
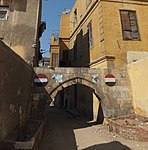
{"type": "Point", "coordinates": [20, 30]}
{"type": "Point", "coordinates": [15, 92]}
{"type": "Point", "coordinates": [139, 82]}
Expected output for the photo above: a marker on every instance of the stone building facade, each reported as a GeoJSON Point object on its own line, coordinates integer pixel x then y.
{"type": "Point", "coordinates": [108, 34]}
{"type": "Point", "coordinates": [102, 34]}
{"type": "Point", "coordinates": [21, 27]}
{"type": "Point", "coordinates": [54, 51]}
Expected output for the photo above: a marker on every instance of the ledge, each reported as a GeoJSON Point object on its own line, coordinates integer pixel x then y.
{"type": "Point", "coordinates": [127, 127]}
{"type": "Point", "coordinates": [32, 144]}
{"type": "Point", "coordinates": [103, 58]}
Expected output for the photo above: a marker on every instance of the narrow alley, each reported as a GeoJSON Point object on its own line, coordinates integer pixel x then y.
{"type": "Point", "coordinates": [64, 131]}
{"type": "Point", "coordinates": [82, 84]}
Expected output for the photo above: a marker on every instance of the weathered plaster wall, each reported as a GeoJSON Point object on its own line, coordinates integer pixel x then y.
{"type": "Point", "coordinates": [138, 76]}
{"type": "Point", "coordinates": [20, 30]}
{"type": "Point", "coordinates": [15, 92]}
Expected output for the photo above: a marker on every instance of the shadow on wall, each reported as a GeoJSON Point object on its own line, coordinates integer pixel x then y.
{"type": "Point", "coordinates": [16, 90]}
{"type": "Point", "coordinates": [115, 145]}
{"type": "Point", "coordinates": [79, 98]}
{"type": "Point", "coordinates": [79, 55]}
{"type": "Point", "coordinates": [80, 51]}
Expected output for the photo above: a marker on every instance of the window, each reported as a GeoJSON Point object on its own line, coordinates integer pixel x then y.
{"type": "Point", "coordinates": [90, 34]}
{"type": "Point", "coordinates": [75, 18]}
{"type": "Point", "coordinates": [55, 59]}
{"type": "Point", "coordinates": [3, 12]}
{"type": "Point", "coordinates": [88, 3]}
{"type": "Point", "coordinates": [129, 25]}
{"type": "Point", "coordinates": [75, 50]}
{"type": "Point", "coordinates": [65, 55]}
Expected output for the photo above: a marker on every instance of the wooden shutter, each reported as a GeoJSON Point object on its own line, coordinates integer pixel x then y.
{"type": "Point", "coordinates": [90, 35]}
{"type": "Point", "coordinates": [125, 20]}
{"type": "Point", "coordinates": [134, 25]}
{"type": "Point", "coordinates": [129, 25]}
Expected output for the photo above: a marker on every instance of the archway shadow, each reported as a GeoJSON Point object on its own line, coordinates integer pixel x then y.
{"type": "Point", "coordinates": [115, 145]}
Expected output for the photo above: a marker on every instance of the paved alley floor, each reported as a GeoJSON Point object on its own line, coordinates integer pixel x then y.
{"type": "Point", "coordinates": [65, 132]}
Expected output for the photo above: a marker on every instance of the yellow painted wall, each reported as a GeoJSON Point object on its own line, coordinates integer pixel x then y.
{"type": "Point", "coordinates": [96, 105]}
{"type": "Point", "coordinates": [64, 26]}
{"type": "Point", "coordinates": [64, 34]}
{"type": "Point", "coordinates": [114, 43]}
{"type": "Point", "coordinates": [107, 31]}
{"type": "Point", "coordinates": [139, 80]}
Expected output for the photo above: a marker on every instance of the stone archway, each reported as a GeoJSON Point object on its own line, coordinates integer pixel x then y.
{"type": "Point", "coordinates": [77, 80]}
{"type": "Point", "coordinates": [115, 100]}
{"type": "Point", "coordinates": [99, 114]}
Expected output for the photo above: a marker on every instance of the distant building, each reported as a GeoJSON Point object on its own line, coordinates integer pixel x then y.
{"type": "Point", "coordinates": [21, 27]}
{"type": "Point", "coordinates": [54, 51]}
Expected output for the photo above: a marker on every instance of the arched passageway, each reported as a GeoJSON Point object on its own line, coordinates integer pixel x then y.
{"type": "Point", "coordinates": [115, 100]}
{"type": "Point", "coordinates": [81, 97]}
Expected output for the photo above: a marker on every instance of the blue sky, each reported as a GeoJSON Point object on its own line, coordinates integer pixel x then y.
{"type": "Point", "coordinates": [51, 11]}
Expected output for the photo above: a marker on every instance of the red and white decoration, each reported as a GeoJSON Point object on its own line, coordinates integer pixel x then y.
{"type": "Point", "coordinates": [109, 78]}
{"type": "Point", "coordinates": [41, 78]}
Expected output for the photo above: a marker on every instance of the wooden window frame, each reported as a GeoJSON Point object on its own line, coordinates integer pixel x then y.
{"type": "Point", "coordinates": [55, 59]}
{"type": "Point", "coordinates": [90, 35]}
{"type": "Point", "coordinates": [129, 23]}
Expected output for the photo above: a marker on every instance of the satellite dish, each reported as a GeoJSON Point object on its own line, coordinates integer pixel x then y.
{"type": "Point", "coordinates": [66, 11]}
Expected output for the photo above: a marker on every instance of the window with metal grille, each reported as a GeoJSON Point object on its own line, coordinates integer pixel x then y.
{"type": "Point", "coordinates": [3, 12]}
{"type": "Point", "coordinates": [55, 59]}
{"type": "Point", "coordinates": [90, 34]}
{"type": "Point", "coordinates": [3, 15]}
{"type": "Point", "coordinates": [75, 18]}
{"type": "Point", "coordinates": [129, 25]}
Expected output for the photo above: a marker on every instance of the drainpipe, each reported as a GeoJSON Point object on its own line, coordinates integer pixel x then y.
{"type": "Point", "coordinates": [36, 53]}
{"type": "Point", "coordinates": [37, 19]}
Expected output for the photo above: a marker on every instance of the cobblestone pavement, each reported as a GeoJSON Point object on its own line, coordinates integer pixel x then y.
{"type": "Point", "coordinates": [66, 132]}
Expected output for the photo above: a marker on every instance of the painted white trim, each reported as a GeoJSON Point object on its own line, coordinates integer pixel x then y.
{"type": "Point", "coordinates": [40, 80]}
{"type": "Point", "coordinates": [110, 80]}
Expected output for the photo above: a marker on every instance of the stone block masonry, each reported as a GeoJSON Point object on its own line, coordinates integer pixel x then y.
{"type": "Point", "coordinates": [116, 100]}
